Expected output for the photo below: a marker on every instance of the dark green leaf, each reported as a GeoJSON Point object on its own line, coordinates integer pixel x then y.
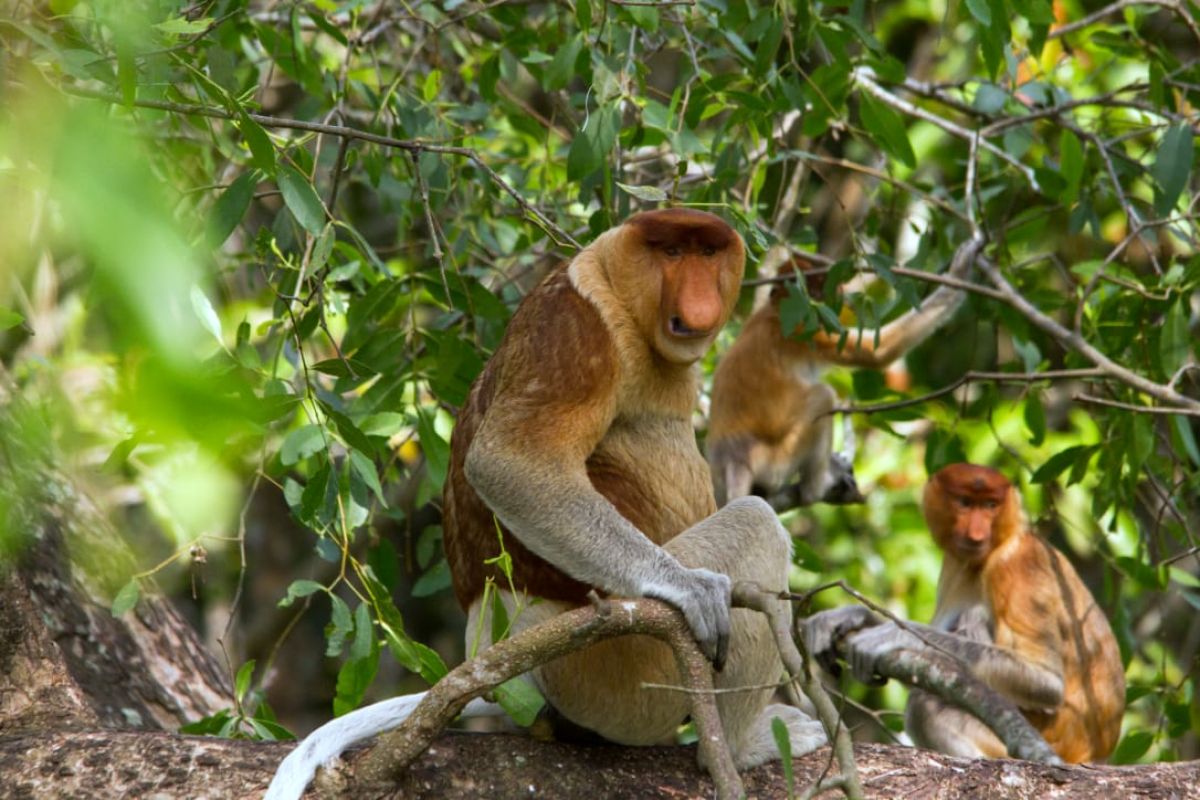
{"type": "Point", "coordinates": [1070, 153]}
{"type": "Point", "coordinates": [592, 144]}
{"type": "Point", "coordinates": [1132, 747]}
{"type": "Point", "coordinates": [1035, 418]}
{"type": "Point", "coordinates": [341, 625]}
{"type": "Point", "coordinates": [435, 448]}
{"type": "Point", "coordinates": [262, 151]}
{"type": "Point", "coordinates": [1174, 343]}
{"type": "Point", "coordinates": [364, 632]}
{"type": "Point", "coordinates": [353, 680]}
{"type": "Point", "coordinates": [434, 580]}
{"type": "Point", "coordinates": [1062, 461]}
{"type": "Point", "coordinates": [230, 208]}
{"type": "Point", "coordinates": [1172, 167]}
{"type": "Point", "coordinates": [887, 128]}
{"type": "Point", "coordinates": [301, 200]}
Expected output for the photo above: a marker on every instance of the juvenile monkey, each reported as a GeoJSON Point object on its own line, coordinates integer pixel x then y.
{"type": "Point", "coordinates": [770, 416]}
{"type": "Point", "coordinates": [576, 441]}
{"type": "Point", "coordinates": [1012, 609]}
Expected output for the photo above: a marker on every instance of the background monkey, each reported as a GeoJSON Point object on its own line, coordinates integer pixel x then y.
{"type": "Point", "coordinates": [1014, 610]}
{"type": "Point", "coordinates": [770, 414]}
{"type": "Point", "coordinates": [576, 443]}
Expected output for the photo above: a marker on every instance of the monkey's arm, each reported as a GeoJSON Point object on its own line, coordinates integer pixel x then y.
{"type": "Point", "coordinates": [528, 463]}
{"type": "Point", "coordinates": [1032, 681]}
{"type": "Point", "coordinates": [910, 329]}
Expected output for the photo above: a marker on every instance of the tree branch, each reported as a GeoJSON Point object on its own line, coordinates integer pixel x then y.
{"type": "Point", "coordinates": [408, 145]}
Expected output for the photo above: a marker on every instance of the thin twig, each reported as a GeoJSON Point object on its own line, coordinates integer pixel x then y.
{"type": "Point", "coordinates": [1076, 342]}
{"type": "Point", "coordinates": [970, 377]}
{"type": "Point", "coordinates": [865, 77]}
{"type": "Point", "coordinates": [560, 235]}
{"type": "Point", "coordinates": [1100, 401]}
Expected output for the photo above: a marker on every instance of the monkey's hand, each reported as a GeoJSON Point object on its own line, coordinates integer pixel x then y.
{"type": "Point", "coordinates": [867, 647]}
{"type": "Point", "coordinates": [824, 634]}
{"type": "Point", "coordinates": [704, 598]}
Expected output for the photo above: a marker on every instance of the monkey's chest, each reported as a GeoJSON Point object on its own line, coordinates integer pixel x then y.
{"type": "Point", "coordinates": [651, 470]}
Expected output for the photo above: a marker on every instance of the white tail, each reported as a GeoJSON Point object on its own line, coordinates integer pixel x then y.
{"type": "Point", "coordinates": [331, 739]}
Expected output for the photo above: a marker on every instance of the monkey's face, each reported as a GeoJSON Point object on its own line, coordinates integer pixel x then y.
{"type": "Point", "coordinates": [691, 262]}
{"type": "Point", "coordinates": [963, 505]}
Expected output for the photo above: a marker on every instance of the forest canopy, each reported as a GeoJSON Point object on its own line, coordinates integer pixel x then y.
{"type": "Point", "coordinates": [253, 255]}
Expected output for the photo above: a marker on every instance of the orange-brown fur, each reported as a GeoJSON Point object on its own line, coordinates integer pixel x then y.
{"type": "Point", "coordinates": [577, 362]}
{"type": "Point", "coordinates": [576, 444]}
{"type": "Point", "coordinates": [1040, 609]}
{"type": "Point", "coordinates": [769, 416]}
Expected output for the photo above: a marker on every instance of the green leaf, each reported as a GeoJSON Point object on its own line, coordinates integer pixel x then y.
{"type": "Point", "coordinates": [1061, 462]}
{"type": "Point", "coordinates": [126, 598]}
{"type": "Point", "coordinates": [1035, 418]}
{"type": "Point", "coordinates": [384, 423]}
{"type": "Point", "coordinates": [262, 151]}
{"type": "Point", "coordinates": [1183, 429]}
{"type": "Point", "coordinates": [301, 443]}
{"type": "Point", "coordinates": [887, 128]}
{"type": "Point", "coordinates": [990, 98]}
{"type": "Point", "coordinates": [301, 200]}
{"type": "Point", "coordinates": [435, 448]}
{"type": "Point", "coordinates": [354, 678]}
{"type": "Point", "coordinates": [206, 314]}
{"type": "Point", "coordinates": [365, 469]}
{"type": "Point", "coordinates": [185, 27]}
{"type": "Point", "coordinates": [364, 632]}
{"type": "Point", "coordinates": [1174, 343]}
{"type": "Point", "coordinates": [434, 580]}
{"type": "Point", "coordinates": [1145, 575]}
{"type": "Point", "coordinates": [1172, 167]}
{"type": "Point", "coordinates": [768, 46]}
{"type": "Point", "coordinates": [341, 625]}
{"type": "Point", "coordinates": [592, 144]}
{"type": "Point", "coordinates": [784, 742]}
{"type": "Point", "coordinates": [583, 14]}
{"type": "Point", "coordinates": [322, 247]}
{"type": "Point", "coordinates": [298, 589]}
{"type": "Point", "coordinates": [807, 557]}
{"type": "Point", "coordinates": [9, 319]}
{"type": "Point", "coordinates": [981, 11]}
{"type": "Point", "coordinates": [562, 68]}
{"type": "Point", "coordinates": [521, 700]}
{"type": "Point", "coordinates": [651, 194]}
{"type": "Point", "coordinates": [1132, 747]}
{"type": "Point", "coordinates": [230, 208]}
{"type": "Point", "coordinates": [1070, 153]}
{"type": "Point", "coordinates": [241, 683]}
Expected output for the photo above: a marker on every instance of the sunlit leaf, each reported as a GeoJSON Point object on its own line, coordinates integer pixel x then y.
{"type": "Point", "coordinates": [126, 598]}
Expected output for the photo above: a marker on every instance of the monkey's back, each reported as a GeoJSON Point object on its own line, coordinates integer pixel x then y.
{"type": "Point", "coordinates": [1087, 724]}
{"type": "Point", "coordinates": [759, 384]}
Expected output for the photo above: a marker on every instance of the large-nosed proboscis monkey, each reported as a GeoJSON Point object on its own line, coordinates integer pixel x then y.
{"type": "Point", "coordinates": [575, 452]}
{"type": "Point", "coordinates": [770, 420]}
{"type": "Point", "coordinates": [1014, 611]}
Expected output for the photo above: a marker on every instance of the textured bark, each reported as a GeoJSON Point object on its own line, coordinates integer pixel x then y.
{"type": "Point", "coordinates": [123, 764]}
{"type": "Point", "coordinates": [65, 661]}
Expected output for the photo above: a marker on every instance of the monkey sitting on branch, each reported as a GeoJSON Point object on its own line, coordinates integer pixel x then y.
{"type": "Point", "coordinates": [1010, 609]}
{"type": "Point", "coordinates": [575, 455]}
{"type": "Point", "coordinates": [771, 415]}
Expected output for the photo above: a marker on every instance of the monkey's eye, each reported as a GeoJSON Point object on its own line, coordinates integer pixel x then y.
{"type": "Point", "coordinates": [672, 251]}
{"type": "Point", "coordinates": [709, 250]}
{"type": "Point", "coordinates": [990, 505]}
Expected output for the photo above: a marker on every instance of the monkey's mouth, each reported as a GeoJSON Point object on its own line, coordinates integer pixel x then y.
{"type": "Point", "coordinates": [679, 329]}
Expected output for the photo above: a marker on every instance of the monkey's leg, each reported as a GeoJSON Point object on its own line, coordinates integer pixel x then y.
{"type": "Point", "coordinates": [729, 461]}
{"type": "Point", "coordinates": [600, 688]}
{"type": "Point", "coordinates": [935, 725]}
{"type": "Point", "coordinates": [746, 542]}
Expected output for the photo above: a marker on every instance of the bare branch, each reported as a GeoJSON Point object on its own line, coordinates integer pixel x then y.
{"type": "Point", "coordinates": [971, 377]}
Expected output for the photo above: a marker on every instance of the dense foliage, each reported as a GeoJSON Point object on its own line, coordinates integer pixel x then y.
{"type": "Point", "coordinates": [264, 248]}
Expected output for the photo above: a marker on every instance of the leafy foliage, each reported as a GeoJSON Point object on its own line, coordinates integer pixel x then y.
{"type": "Point", "coordinates": [262, 245]}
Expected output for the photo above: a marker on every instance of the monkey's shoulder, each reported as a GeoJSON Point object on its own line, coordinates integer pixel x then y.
{"type": "Point", "coordinates": [557, 349]}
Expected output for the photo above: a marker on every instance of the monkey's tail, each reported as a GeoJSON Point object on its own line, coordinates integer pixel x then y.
{"type": "Point", "coordinates": [328, 741]}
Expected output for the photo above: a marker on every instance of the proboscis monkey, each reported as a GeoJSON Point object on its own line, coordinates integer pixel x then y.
{"type": "Point", "coordinates": [1012, 609]}
{"type": "Point", "coordinates": [770, 417]}
{"type": "Point", "coordinates": [576, 443]}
